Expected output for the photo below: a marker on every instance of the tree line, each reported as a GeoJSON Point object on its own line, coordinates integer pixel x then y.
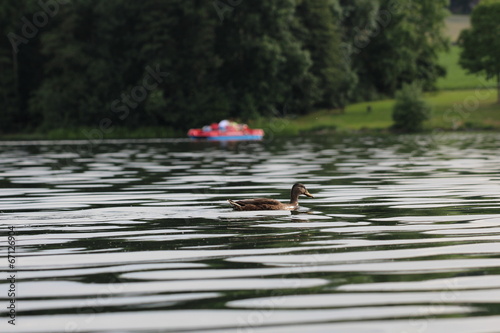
{"type": "Point", "coordinates": [179, 64]}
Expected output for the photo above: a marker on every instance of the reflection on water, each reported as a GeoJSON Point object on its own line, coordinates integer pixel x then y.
{"type": "Point", "coordinates": [403, 235]}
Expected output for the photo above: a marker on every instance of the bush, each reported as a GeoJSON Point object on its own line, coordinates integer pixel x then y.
{"type": "Point", "coordinates": [410, 110]}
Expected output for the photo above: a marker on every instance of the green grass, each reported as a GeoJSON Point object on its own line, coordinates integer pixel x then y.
{"type": "Point", "coordinates": [96, 134]}
{"type": "Point", "coordinates": [457, 77]}
{"type": "Point", "coordinates": [464, 109]}
{"type": "Point", "coordinates": [354, 118]}
{"type": "Point", "coordinates": [451, 110]}
{"type": "Point", "coordinates": [112, 133]}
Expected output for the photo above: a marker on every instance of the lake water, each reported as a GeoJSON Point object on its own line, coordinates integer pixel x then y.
{"type": "Point", "coordinates": [403, 235]}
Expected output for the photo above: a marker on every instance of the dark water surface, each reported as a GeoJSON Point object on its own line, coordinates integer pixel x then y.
{"type": "Point", "coordinates": [403, 236]}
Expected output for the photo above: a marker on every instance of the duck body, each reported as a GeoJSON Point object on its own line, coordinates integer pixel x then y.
{"type": "Point", "coordinates": [261, 204]}
{"type": "Point", "coordinates": [271, 204]}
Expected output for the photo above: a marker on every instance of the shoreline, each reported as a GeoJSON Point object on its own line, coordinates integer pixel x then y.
{"type": "Point", "coordinates": [28, 140]}
{"type": "Point", "coordinates": [453, 110]}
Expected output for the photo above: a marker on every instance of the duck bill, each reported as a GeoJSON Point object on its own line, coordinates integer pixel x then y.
{"type": "Point", "coordinates": [308, 194]}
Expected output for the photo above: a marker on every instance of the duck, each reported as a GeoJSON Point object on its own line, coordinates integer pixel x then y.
{"type": "Point", "coordinates": [271, 204]}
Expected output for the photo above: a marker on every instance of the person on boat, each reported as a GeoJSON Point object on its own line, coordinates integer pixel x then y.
{"type": "Point", "coordinates": [223, 124]}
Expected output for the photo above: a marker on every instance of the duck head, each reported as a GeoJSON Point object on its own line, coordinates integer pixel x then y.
{"type": "Point", "coordinates": [299, 189]}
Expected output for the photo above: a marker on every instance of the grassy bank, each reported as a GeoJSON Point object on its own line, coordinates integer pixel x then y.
{"type": "Point", "coordinates": [456, 77]}
{"type": "Point", "coordinates": [96, 134]}
{"type": "Point", "coordinates": [452, 110]}
{"type": "Point", "coordinates": [458, 109]}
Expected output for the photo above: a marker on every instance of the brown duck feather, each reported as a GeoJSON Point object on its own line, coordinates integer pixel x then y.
{"type": "Point", "coordinates": [260, 204]}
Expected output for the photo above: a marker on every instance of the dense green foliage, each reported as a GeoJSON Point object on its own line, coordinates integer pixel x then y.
{"type": "Point", "coordinates": [410, 110]}
{"type": "Point", "coordinates": [399, 42]}
{"type": "Point", "coordinates": [176, 64]}
{"type": "Point", "coordinates": [481, 45]}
